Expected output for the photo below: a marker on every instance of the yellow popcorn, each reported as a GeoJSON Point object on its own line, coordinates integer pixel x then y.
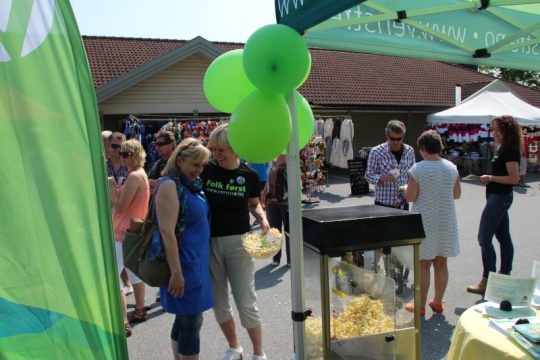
{"type": "Point", "coordinates": [363, 316]}
{"type": "Point", "coordinates": [262, 247]}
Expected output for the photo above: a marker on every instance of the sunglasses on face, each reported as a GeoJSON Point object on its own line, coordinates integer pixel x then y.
{"type": "Point", "coordinates": [115, 146]}
{"type": "Point", "coordinates": [391, 138]}
{"type": "Point", "coordinates": [163, 143]}
{"type": "Point", "coordinates": [125, 154]}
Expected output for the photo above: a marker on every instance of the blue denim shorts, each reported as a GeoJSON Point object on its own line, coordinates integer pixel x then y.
{"type": "Point", "coordinates": [186, 331]}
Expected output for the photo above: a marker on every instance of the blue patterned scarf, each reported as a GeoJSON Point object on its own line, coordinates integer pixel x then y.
{"type": "Point", "coordinates": [181, 184]}
{"type": "Point", "coordinates": [156, 249]}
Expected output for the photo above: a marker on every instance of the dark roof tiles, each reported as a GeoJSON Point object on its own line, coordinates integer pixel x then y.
{"type": "Point", "coordinates": [337, 78]}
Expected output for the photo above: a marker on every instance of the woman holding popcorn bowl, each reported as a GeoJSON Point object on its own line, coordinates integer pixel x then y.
{"type": "Point", "coordinates": [233, 191]}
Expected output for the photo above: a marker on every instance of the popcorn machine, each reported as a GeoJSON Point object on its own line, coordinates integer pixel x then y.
{"type": "Point", "coordinates": [361, 268]}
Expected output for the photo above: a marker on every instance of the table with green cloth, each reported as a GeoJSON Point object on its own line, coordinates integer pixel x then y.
{"type": "Point", "coordinates": [474, 339]}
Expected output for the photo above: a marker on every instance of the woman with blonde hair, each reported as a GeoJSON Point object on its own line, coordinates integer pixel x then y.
{"type": "Point", "coordinates": [182, 215]}
{"type": "Point", "coordinates": [183, 219]}
{"type": "Point", "coordinates": [130, 200]}
{"type": "Point", "coordinates": [233, 191]}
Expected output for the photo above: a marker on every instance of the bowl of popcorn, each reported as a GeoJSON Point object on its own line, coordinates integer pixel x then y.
{"type": "Point", "coordinates": [262, 246]}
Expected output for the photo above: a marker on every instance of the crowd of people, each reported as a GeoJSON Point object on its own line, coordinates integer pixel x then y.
{"type": "Point", "coordinates": [204, 196]}
{"type": "Point", "coordinates": [433, 185]}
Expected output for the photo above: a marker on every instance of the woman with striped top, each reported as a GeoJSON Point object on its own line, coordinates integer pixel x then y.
{"type": "Point", "coordinates": [434, 184]}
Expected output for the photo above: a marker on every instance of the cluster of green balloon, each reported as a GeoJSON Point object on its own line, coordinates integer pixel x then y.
{"type": "Point", "coordinates": [251, 84]}
{"type": "Point", "coordinates": [260, 127]}
{"type": "Point", "coordinates": [225, 83]}
{"type": "Point", "coordinates": [276, 60]}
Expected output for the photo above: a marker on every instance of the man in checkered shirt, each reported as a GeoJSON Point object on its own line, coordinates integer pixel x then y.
{"type": "Point", "coordinates": [388, 164]}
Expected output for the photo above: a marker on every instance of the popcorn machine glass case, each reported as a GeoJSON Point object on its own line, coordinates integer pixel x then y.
{"type": "Point", "coordinates": [361, 268]}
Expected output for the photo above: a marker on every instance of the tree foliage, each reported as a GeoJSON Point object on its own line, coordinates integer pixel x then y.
{"type": "Point", "coordinates": [522, 77]}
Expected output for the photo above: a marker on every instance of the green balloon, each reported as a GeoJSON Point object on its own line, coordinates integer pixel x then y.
{"type": "Point", "coordinates": [260, 127]}
{"type": "Point", "coordinates": [276, 59]}
{"type": "Point", "coordinates": [306, 120]}
{"type": "Point", "coordinates": [307, 73]}
{"type": "Point", "coordinates": [225, 83]}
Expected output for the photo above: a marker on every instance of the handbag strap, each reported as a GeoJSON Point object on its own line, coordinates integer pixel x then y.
{"type": "Point", "coordinates": [150, 224]}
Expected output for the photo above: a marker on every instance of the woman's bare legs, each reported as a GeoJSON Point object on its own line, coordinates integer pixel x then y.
{"type": "Point", "coordinates": [440, 277]}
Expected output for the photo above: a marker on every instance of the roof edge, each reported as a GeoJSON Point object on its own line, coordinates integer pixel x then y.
{"type": "Point", "coordinates": [160, 63]}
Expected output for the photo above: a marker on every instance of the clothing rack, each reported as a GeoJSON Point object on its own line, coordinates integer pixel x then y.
{"type": "Point", "coordinates": [156, 118]}
{"type": "Point", "coordinates": [332, 116]}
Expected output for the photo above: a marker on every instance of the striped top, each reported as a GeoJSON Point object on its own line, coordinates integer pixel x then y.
{"type": "Point", "coordinates": [435, 201]}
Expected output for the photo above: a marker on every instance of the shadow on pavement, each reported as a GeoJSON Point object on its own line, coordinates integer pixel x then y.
{"type": "Point", "coordinates": [439, 331]}
{"type": "Point", "coordinates": [269, 276]}
{"type": "Point", "coordinates": [330, 198]}
{"type": "Point", "coordinates": [521, 190]}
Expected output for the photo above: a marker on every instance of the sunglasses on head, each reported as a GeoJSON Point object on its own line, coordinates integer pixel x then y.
{"type": "Point", "coordinates": [125, 154]}
{"type": "Point", "coordinates": [115, 146]}
{"type": "Point", "coordinates": [163, 143]}
{"type": "Point", "coordinates": [191, 144]}
{"type": "Point", "coordinates": [395, 138]}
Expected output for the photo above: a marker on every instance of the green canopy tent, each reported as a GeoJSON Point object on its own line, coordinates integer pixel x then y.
{"type": "Point", "coordinates": [502, 33]}
{"type": "Point", "coordinates": [499, 33]}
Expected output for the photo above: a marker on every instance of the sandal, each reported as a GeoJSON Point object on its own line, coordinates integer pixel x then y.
{"type": "Point", "coordinates": [410, 308]}
{"type": "Point", "coordinates": [129, 329]}
{"type": "Point", "coordinates": [138, 315]}
{"type": "Point", "coordinates": [438, 308]}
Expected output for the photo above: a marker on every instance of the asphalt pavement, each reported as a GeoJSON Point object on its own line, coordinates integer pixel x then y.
{"type": "Point", "coordinates": [150, 340]}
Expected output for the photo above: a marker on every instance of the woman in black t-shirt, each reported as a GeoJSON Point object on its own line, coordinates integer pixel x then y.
{"type": "Point", "coordinates": [499, 196]}
{"type": "Point", "coordinates": [233, 191]}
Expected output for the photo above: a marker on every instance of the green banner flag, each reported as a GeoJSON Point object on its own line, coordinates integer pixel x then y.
{"type": "Point", "coordinates": [59, 288]}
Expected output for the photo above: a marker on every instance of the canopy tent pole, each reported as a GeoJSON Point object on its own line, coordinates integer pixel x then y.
{"type": "Point", "coordinates": [296, 236]}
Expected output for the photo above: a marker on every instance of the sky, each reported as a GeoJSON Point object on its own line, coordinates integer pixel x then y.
{"type": "Point", "coordinates": [214, 20]}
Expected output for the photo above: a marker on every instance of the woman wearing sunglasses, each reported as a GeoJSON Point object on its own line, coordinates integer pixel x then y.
{"type": "Point", "coordinates": [183, 219]}
{"type": "Point", "coordinates": [130, 200]}
{"type": "Point", "coordinates": [233, 190]}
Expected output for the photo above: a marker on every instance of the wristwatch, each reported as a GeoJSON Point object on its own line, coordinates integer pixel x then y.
{"type": "Point", "coordinates": [490, 178]}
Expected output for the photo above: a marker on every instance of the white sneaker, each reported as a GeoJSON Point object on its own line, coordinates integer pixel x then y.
{"type": "Point", "coordinates": [128, 290]}
{"type": "Point", "coordinates": [233, 354]}
{"type": "Point", "coordinates": [258, 357]}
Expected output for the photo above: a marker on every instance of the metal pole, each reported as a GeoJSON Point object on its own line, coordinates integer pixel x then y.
{"type": "Point", "coordinates": [295, 221]}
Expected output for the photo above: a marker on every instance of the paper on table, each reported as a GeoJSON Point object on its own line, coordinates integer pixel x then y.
{"type": "Point", "coordinates": [531, 330]}
{"type": "Point", "coordinates": [531, 347]}
{"type": "Point", "coordinates": [515, 313]}
{"type": "Point", "coordinates": [492, 310]}
{"type": "Point", "coordinates": [536, 274]}
{"type": "Point", "coordinates": [503, 325]}
{"type": "Point", "coordinates": [518, 290]}
{"type": "Point", "coordinates": [507, 327]}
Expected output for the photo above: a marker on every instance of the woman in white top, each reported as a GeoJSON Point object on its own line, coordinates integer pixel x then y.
{"type": "Point", "coordinates": [434, 184]}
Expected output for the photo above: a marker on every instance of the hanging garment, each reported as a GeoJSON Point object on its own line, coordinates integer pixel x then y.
{"type": "Point", "coordinates": [328, 130]}
{"type": "Point", "coordinates": [346, 136]}
{"type": "Point", "coordinates": [319, 128]}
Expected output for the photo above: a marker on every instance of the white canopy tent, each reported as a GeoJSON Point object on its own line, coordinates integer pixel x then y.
{"type": "Point", "coordinates": [482, 107]}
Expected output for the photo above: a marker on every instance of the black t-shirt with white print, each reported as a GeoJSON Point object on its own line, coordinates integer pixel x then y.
{"type": "Point", "coordinates": [228, 192]}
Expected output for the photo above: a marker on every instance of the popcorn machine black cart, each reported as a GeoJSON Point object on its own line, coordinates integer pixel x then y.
{"type": "Point", "coordinates": [361, 268]}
